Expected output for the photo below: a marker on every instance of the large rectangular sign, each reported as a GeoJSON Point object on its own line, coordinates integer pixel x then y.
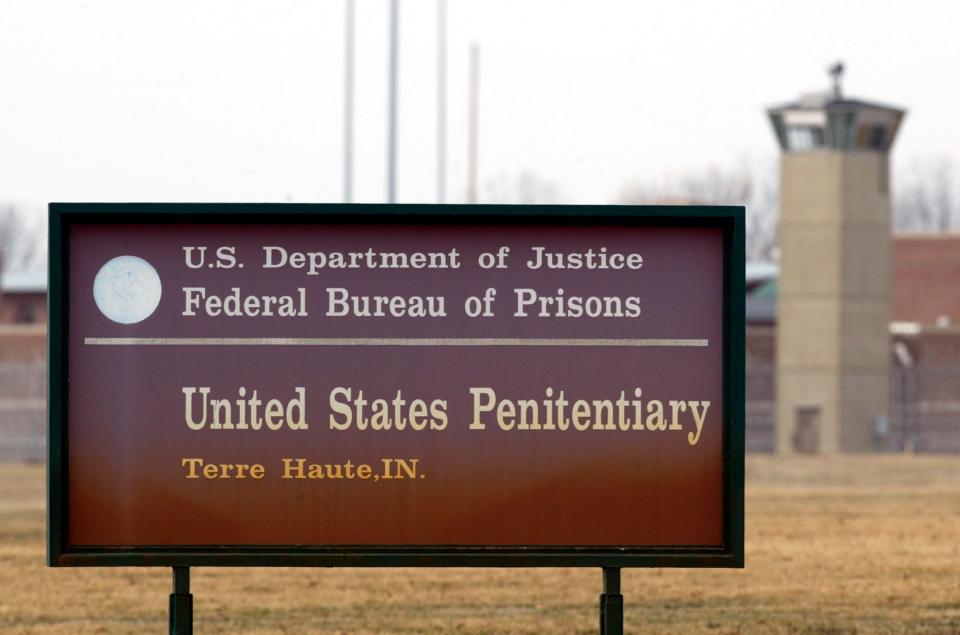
{"type": "Point", "coordinates": [396, 385]}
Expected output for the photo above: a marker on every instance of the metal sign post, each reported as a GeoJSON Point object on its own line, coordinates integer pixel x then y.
{"type": "Point", "coordinates": [611, 603]}
{"type": "Point", "coordinates": [181, 603]}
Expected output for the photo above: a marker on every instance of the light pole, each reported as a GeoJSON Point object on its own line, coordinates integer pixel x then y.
{"type": "Point", "coordinates": [441, 101]}
{"type": "Point", "coordinates": [392, 114]}
{"type": "Point", "coordinates": [474, 123]}
{"type": "Point", "coordinates": [348, 106]}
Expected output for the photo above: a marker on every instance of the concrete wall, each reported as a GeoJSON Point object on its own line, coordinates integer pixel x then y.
{"type": "Point", "coordinates": [834, 313]}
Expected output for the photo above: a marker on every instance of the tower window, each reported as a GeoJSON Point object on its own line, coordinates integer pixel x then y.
{"type": "Point", "coordinates": [800, 138]}
{"type": "Point", "coordinates": [872, 138]}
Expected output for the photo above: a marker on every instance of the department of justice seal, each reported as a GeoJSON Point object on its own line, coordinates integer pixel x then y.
{"type": "Point", "coordinates": [127, 289]}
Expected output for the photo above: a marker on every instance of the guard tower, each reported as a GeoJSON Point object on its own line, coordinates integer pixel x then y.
{"type": "Point", "coordinates": [833, 350]}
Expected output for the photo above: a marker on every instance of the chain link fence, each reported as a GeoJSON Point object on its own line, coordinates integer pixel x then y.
{"type": "Point", "coordinates": [761, 389]}
{"type": "Point", "coordinates": [924, 409]}
{"type": "Point", "coordinates": [23, 411]}
{"type": "Point", "coordinates": [925, 413]}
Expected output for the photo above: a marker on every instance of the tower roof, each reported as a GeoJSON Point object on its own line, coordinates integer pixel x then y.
{"type": "Point", "coordinates": [831, 102]}
{"type": "Point", "coordinates": [828, 120]}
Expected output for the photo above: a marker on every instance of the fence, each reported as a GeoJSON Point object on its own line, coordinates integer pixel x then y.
{"type": "Point", "coordinates": [761, 389]}
{"type": "Point", "coordinates": [925, 413]}
{"type": "Point", "coordinates": [23, 428]}
{"type": "Point", "coordinates": [924, 408]}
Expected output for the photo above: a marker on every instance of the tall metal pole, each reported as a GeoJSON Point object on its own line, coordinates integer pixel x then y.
{"type": "Point", "coordinates": [348, 107]}
{"type": "Point", "coordinates": [392, 125]}
{"type": "Point", "coordinates": [441, 101]}
{"type": "Point", "coordinates": [474, 124]}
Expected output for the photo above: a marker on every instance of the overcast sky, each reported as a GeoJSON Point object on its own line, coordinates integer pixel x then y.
{"type": "Point", "coordinates": [242, 100]}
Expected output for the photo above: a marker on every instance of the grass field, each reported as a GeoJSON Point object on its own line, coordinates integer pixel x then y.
{"type": "Point", "coordinates": [834, 545]}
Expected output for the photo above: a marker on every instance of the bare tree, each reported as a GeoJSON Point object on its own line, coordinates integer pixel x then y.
{"type": "Point", "coordinates": [929, 199]}
{"type": "Point", "coordinates": [525, 188]}
{"type": "Point", "coordinates": [17, 246]}
{"type": "Point", "coordinates": [755, 189]}
{"type": "Point", "coordinates": [763, 222]}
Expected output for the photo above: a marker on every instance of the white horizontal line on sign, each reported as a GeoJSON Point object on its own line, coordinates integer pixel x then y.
{"type": "Point", "coordinates": [385, 341]}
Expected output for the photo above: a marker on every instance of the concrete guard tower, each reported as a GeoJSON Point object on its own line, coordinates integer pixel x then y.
{"type": "Point", "coordinates": [833, 343]}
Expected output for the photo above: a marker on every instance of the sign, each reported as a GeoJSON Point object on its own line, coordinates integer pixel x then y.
{"type": "Point", "coordinates": [396, 385]}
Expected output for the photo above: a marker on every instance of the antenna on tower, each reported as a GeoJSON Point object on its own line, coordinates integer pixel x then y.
{"type": "Point", "coordinates": [836, 74]}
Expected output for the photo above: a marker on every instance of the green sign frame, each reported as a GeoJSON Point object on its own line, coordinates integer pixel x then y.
{"type": "Point", "coordinates": [730, 554]}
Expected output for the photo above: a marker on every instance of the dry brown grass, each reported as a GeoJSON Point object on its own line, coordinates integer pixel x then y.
{"type": "Point", "coordinates": [834, 545]}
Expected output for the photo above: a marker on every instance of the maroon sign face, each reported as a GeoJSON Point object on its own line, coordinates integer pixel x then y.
{"type": "Point", "coordinates": [394, 384]}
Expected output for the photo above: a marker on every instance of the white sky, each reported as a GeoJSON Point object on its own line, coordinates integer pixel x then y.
{"type": "Point", "coordinates": [242, 100]}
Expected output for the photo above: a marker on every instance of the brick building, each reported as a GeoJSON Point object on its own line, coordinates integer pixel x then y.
{"type": "Point", "coordinates": [23, 297]}
{"type": "Point", "coordinates": [924, 347]}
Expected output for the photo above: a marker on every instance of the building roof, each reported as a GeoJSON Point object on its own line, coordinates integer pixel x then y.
{"type": "Point", "coordinates": [761, 303]}
{"type": "Point", "coordinates": [761, 271]}
{"type": "Point", "coordinates": [32, 281]}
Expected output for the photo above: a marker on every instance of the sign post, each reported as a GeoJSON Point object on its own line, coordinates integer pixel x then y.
{"type": "Point", "coordinates": [611, 603]}
{"type": "Point", "coordinates": [402, 385]}
{"type": "Point", "coordinates": [181, 603]}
